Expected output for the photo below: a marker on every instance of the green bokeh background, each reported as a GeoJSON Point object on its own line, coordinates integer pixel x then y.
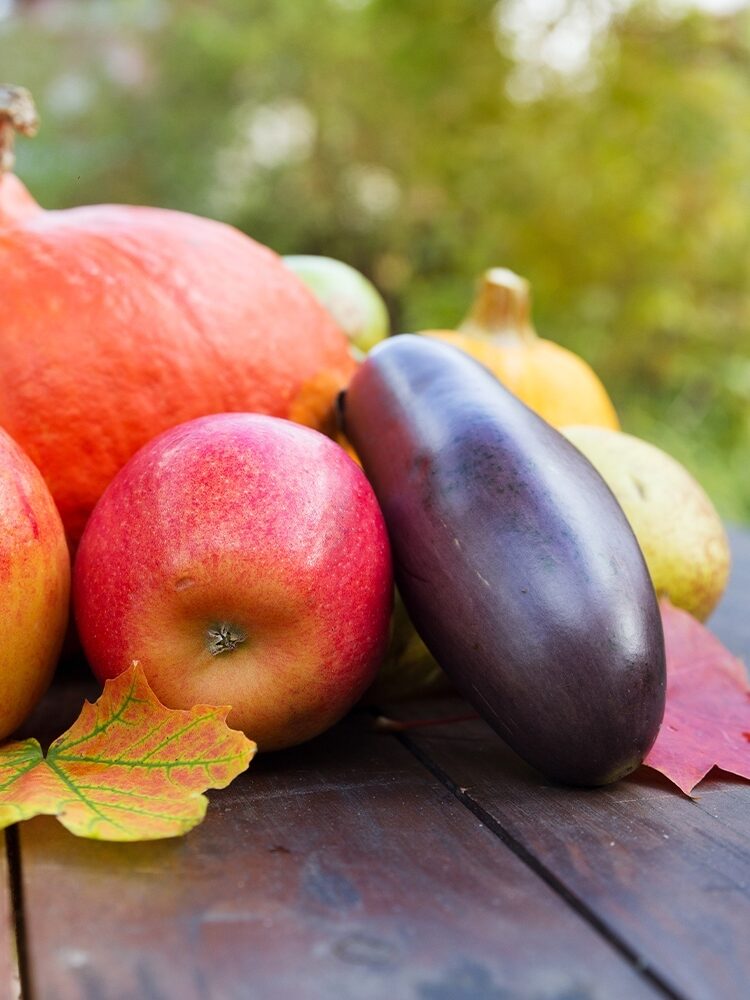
{"type": "Point", "coordinates": [418, 141]}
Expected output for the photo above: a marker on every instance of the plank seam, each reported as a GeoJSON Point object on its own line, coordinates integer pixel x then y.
{"type": "Point", "coordinates": [576, 903]}
{"type": "Point", "coordinates": [15, 879]}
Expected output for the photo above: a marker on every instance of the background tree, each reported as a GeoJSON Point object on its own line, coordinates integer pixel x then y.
{"type": "Point", "coordinates": [606, 158]}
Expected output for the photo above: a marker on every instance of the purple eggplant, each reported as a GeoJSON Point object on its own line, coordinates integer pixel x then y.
{"type": "Point", "coordinates": [515, 561]}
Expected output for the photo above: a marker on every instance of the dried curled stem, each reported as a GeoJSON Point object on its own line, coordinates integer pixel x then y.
{"type": "Point", "coordinates": [17, 114]}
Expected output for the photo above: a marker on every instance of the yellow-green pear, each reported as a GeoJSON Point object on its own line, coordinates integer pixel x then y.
{"type": "Point", "coordinates": [680, 532]}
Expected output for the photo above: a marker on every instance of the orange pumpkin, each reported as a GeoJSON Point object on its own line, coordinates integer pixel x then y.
{"type": "Point", "coordinates": [552, 380]}
{"type": "Point", "coordinates": [119, 322]}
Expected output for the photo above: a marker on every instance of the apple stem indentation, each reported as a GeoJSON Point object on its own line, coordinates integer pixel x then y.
{"type": "Point", "coordinates": [223, 638]}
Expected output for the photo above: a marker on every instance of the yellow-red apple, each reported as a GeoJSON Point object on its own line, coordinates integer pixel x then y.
{"type": "Point", "coordinates": [244, 561]}
{"type": "Point", "coordinates": [34, 585]}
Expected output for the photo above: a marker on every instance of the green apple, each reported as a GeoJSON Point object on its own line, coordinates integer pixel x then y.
{"type": "Point", "coordinates": [354, 302]}
{"type": "Point", "coordinates": [680, 532]}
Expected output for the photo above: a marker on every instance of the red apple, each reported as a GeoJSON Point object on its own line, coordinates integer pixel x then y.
{"type": "Point", "coordinates": [34, 585]}
{"type": "Point", "coordinates": [244, 561]}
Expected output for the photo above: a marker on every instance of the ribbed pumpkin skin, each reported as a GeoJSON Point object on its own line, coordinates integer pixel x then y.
{"type": "Point", "coordinates": [119, 322]}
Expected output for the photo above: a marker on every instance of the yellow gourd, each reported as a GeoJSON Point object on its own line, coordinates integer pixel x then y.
{"type": "Point", "coordinates": [552, 380]}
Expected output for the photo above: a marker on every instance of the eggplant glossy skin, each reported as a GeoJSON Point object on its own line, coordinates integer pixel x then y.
{"type": "Point", "coordinates": [515, 561]}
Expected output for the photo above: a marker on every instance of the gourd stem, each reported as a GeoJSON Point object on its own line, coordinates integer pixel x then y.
{"type": "Point", "coordinates": [17, 114]}
{"type": "Point", "coordinates": [502, 308]}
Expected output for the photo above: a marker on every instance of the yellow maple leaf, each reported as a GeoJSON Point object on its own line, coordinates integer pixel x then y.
{"type": "Point", "coordinates": [127, 769]}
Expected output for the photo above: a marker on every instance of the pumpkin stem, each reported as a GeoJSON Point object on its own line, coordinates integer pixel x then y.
{"type": "Point", "coordinates": [17, 114]}
{"type": "Point", "coordinates": [501, 310]}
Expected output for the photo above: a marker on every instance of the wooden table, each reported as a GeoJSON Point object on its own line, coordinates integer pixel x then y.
{"type": "Point", "coordinates": [432, 866]}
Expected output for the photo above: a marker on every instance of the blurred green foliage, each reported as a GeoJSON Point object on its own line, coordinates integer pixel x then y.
{"type": "Point", "coordinates": [408, 139]}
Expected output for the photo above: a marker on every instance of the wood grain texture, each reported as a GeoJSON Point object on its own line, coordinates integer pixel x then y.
{"type": "Point", "coordinates": [667, 876]}
{"type": "Point", "coordinates": [731, 620]}
{"type": "Point", "coordinates": [342, 869]}
{"type": "Point", "coordinates": [10, 985]}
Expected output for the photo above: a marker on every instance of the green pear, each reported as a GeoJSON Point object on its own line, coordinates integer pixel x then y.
{"type": "Point", "coordinates": [679, 531]}
{"type": "Point", "coordinates": [354, 302]}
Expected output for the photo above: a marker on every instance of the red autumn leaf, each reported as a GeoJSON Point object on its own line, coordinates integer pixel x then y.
{"type": "Point", "coordinates": [707, 718]}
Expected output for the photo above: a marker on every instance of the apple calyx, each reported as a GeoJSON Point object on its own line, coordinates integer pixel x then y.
{"type": "Point", "coordinates": [223, 638]}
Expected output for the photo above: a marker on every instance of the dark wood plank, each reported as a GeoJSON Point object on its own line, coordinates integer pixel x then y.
{"type": "Point", "coordinates": [10, 985]}
{"type": "Point", "coordinates": [340, 869]}
{"type": "Point", "coordinates": [668, 876]}
{"type": "Point", "coordinates": [731, 620]}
